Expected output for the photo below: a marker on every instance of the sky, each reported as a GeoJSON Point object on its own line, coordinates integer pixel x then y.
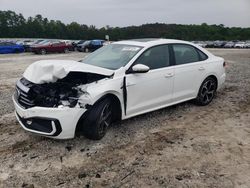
{"type": "Point", "coordinates": [232, 13]}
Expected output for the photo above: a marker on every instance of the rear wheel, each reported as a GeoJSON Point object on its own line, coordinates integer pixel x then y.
{"type": "Point", "coordinates": [66, 50]}
{"type": "Point", "coordinates": [98, 119]}
{"type": "Point", "coordinates": [43, 51]}
{"type": "Point", "coordinates": [17, 51]}
{"type": "Point", "coordinates": [207, 91]}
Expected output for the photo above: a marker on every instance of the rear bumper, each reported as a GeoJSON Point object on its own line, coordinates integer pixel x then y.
{"type": "Point", "coordinates": [59, 123]}
{"type": "Point", "coordinates": [221, 80]}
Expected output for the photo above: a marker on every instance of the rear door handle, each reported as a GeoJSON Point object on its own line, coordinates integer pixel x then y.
{"type": "Point", "coordinates": [201, 69]}
{"type": "Point", "coordinates": [169, 75]}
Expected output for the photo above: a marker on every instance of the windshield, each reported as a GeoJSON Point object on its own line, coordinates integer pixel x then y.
{"type": "Point", "coordinates": [43, 42]}
{"type": "Point", "coordinates": [113, 56]}
{"type": "Point", "coordinates": [86, 42]}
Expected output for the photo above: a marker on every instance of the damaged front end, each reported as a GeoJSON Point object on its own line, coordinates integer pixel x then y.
{"type": "Point", "coordinates": [63, 92]}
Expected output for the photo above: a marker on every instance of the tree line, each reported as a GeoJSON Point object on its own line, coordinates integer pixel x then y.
{"type": "Point", "coordinates": [13, 25]}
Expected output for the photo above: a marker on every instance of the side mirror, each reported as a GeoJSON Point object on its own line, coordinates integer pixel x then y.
{"type": "Point", "coordinates": [140, 68]}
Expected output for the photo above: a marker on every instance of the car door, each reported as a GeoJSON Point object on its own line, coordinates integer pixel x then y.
{"type": "Point", "coordinates": [151, 90]}
{"type": "Point", "coordinates": [92, 46]}
{"type": "Point", "coordinates": [190, 69]}
{"type": "Point", "coordinates": [2, 47]}
{"type": "Point", "coordinates": [55, 47]}
{"type": "Point", "coordinates": [8, 47]}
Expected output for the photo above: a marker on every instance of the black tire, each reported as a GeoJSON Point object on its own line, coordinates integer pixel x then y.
{"type": "Point", "coordinates": [43, 51]}
{"type": "Point", "coordinates": [86, 50]}
{"type": "Point", "coordinates": [16, 51]}
{"type": "Point", "coordinates": [66, 50]}
{"type": "Point", "coordinates": [207, 91]}
{"type": "Point", "coordinates": [97, 120]}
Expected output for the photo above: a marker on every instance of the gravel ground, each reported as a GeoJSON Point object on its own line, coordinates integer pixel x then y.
{"type": "Point", "coordinates": [180, 146]}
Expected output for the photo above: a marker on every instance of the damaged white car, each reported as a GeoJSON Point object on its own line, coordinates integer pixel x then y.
{"type": "Point", "coordinates": [58, 99]}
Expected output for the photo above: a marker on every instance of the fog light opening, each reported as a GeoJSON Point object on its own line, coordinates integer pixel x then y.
{"type": "Point", "coordinates": [29, 122]}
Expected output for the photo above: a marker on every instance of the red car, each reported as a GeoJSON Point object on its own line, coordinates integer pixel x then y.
{"type": "Point", "coordinates": [51, 47]}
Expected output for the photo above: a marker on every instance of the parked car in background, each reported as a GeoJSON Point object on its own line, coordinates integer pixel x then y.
{"type": "Point", "coordinates": [210, 44]}
{"type": "Point", "coordinates": [200, 43]}
{"type": "Point", "coordinates": [90, 46]}
{"type": "Point", "coordinates": [58, 98]}
{"type": "Point", "coordinates": [80, 42]}
{"type": "Point", "coordinates": [51, 47]}
{"type": "Point", "coordinates": [240, 45]}
{"type": "Point", "coordinates": [76, 43]}
{"type": "Point", "coordinates": [219, 44]}
{"type": "Point", "coordinates": [10, 47]}
{"type": "Point", "coordinates": [81, 45]}
{"type": "Point", "coordinates": [229, 44]}
{"type": "Point", "coordinates": [27, 45]}
{"type": "Point", "coordinates": [247, 44]}
{"type": "Point", "coordinates": [70, 43]}
{"type": "Point", "coordinates": [40, 42]}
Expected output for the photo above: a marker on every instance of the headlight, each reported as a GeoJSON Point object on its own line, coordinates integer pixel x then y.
{"type": "Point", "coordinates": [55, 94]}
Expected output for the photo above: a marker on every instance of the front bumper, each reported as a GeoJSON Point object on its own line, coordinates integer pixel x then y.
{"type": "Point", "coordinates": [59, 123]}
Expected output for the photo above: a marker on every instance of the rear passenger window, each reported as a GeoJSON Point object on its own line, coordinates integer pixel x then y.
{"type": "Point", "coordinates": [155, 57]}
{"type": "Point", "coordinates": [185, 54]}
{"type": "Point", "coordinates": [202, 55]}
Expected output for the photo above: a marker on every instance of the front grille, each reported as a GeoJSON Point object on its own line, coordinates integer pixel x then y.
{"type": "Point", "coordinates": [23, 94]}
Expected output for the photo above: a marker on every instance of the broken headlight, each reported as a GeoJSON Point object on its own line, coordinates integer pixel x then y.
{"type": "Point", "coordinates": [54, 94]}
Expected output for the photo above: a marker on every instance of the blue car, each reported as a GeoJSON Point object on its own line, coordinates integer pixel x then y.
{"type": "Point", "coordinates": [90, 45]}
{"type": "Point", "coordinates": [10, 47]}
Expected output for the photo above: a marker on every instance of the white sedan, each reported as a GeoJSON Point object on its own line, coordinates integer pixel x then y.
{"type": "Point", "coordinates": [58, 98]}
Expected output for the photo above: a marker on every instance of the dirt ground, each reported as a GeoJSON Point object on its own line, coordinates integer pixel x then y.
{"type": "Point", "coordinates": [181, 146]}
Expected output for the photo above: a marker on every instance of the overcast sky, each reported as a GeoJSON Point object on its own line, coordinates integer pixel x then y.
{"type": "Point", "coordinates": [136, 12]}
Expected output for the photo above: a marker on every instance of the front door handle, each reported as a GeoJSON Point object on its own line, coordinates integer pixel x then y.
{"type": "Point", "coordinates": [169, 75]}
{"type": "Point", "coordinates": [201, 69]}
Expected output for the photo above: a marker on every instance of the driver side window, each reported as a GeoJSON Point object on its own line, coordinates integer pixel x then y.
{"type": "Point", "coordinates": [155, 57]}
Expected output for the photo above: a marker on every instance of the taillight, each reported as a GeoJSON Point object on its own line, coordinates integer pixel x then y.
{"type": "Point", "coordinates": [224, 64]}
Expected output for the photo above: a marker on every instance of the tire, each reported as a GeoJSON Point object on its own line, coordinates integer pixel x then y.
{"type": "Point", "coordinates": [17, 51]}
{"type": "Point", "coordinates": [66, 50]}
{"type": "Point", "coordinates": [43, 51]}
{"type": "Point", "coordinates": [98, 119]}
{"type": "Point", "coordinates": [207, 91]}
{"type": "Point", "coordinates": [86, 50]}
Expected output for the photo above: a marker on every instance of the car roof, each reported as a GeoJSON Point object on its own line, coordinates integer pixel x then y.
{"type": "Point", "coordinates": [97, 40]}
{"type": "Point", "coordinates": [147, 42]}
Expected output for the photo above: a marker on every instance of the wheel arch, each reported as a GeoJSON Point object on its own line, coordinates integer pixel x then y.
{"type": "Point", "coordinates": [207, 76]}
{"type": "Point", "coordinates": [114, 100]}
{"type": "Point", "coordinates": [214, 77]}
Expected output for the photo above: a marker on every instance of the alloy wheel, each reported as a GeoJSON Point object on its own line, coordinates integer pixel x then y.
{"type": "Point", "coordinates": [105, 119]}
{"type": "Point", "coordinates": [43, 52]}
{"type": "Point", "coordinates": [208, 91]}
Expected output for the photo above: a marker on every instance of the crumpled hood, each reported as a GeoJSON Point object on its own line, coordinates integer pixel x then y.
{"type": "Point", "coordinates": [49, 71]}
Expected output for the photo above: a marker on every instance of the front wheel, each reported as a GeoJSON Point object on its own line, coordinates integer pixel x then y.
{"type": "Point", "coordinates": [98, 119]}
{"type": "Point", "coordinates": [207, 91]}
{"type": "Point", "coordinates": [86, 50]}
{"type": "Point", "coordinates": [43, 51]}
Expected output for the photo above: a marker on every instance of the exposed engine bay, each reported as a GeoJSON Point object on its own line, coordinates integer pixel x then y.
{"type": "Point", "coordinates": [64, 91]}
